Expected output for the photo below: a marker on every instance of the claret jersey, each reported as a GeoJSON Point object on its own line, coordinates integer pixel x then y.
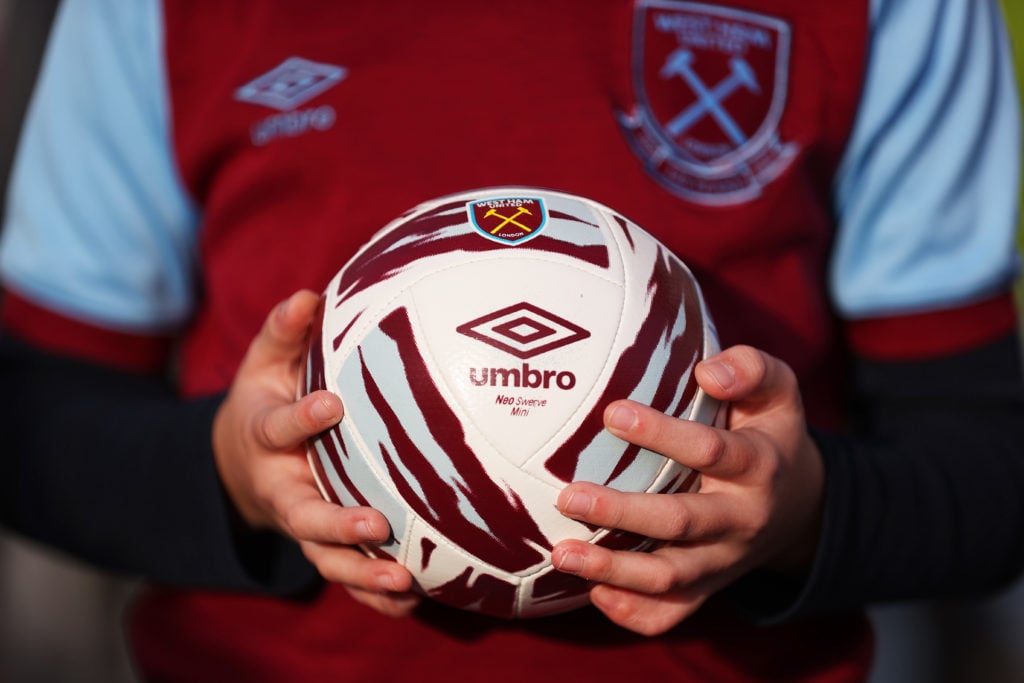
{"type": "Point", "coordinates": [193, 163]}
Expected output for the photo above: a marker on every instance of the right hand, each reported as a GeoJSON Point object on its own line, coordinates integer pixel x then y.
{"type": "Point", "coordinates": [259, 436]}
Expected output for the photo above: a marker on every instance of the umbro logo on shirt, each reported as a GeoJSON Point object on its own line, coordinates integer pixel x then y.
{"type": "Point", "coordinates": [286, 87]}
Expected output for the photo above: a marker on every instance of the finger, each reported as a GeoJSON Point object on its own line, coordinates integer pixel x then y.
{"type": "Point", "coordinates": [667, 569]}
{"type": "Point", "coordinates": [396, 605]}
{"type": "Point", "coordinates": [286, 426]}
{"type": "Point", "coordinates": [647, 615]}
{"type": "Point", "coordinates": [319, 521]}
{"type": "Point", "coordinates": [681, 517]}
{"type": "Point", "coordinates": [285, 328]}
{"type": "Point", "coordinates": [715, 452]}
{"type": "Point", "coordinates": [643, 572]}
{"type": "Point", "coordinates": [349, 566]}
{"type": "Point", "coordinates": [748, 374]}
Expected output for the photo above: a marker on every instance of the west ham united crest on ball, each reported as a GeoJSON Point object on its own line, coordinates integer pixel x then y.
{"type": "Point", "coordinates": [512, 220]}
{"type": "Point", "coordinates": [475, 343]}
{"type": "Point", "coordinates": [710, 85]}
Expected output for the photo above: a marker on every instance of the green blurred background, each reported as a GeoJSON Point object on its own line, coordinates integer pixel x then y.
{"type": "Point", "coordinates": [1014, 10]}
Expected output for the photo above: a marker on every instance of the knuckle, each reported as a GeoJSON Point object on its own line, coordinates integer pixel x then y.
{"type": "Point", "coordinates": [267, 430]}
{"type": "Point", "coordinates": [760, 519]}
{"type": "Point", "coordinates": [787, 376]}
{"type": "Point", "coordinates": [755, 361]}
{"type": "Point", "coordinates": [263, 497]}
{"type": "Point", "coordinates": [685, 576]}
{"type": "Point", "coordinates": [608, 511]}
{"type": "Point", "coordinates": [628, 613]}
{"type": "Point", "coordinates": [679, 527]}
{"type": "Point", "coordinates": [709, 449]}
{"type": "Point", "coordinates": [751, 525]}
{"type": "Point", "coordinates": [649, 628]}
{"type": "Point", "coordinates": [755, 365]}
{"type": "Point", "coordinates": [388, 607]}
{"type": "Point", "coordinates": [772, 467]}
{"type": "Point", "coordinates": [621, 608]}
{"type": "Point", "coordinates": [300, 522]}
{"type": "Point", "coordinates": [656, 624]}
{"type": "Point", "coordinates": [745, 356]}
{"type": "Point", "coordinates": [598, 567]}
{"type": "Point", "coordinates": [661, 582]}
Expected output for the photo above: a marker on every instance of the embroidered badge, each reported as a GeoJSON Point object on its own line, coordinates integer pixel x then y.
{"type": "Point", "coordinates": [710, 86]}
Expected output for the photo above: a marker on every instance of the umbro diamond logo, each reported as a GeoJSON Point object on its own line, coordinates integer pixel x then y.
{"type": "Point", "coordinates": [523, 330]}
{"type": "Point", "coordinates": [291, 84]}
{"type": "Point", "coordinates": [286, 87]}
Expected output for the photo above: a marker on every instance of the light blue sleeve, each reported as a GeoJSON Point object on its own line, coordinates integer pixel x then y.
{"type": "Point", "coordinates": [99, 227]}
{"type": "Point", "coordinates": [927, 194]}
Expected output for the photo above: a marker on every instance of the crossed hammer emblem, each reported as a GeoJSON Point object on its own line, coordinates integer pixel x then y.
{"type": "Point", "coordinates": [709, 100]}
{"type": "Point", "coordinates": [509, 219]}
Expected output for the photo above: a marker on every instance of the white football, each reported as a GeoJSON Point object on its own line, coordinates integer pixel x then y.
{"type": "Point", "coordinates": [475, 342]}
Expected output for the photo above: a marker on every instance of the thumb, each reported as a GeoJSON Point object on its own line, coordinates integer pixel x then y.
{"type": "Point", "coordinates": [287, 426]}
{"type": "Point", "coordinates": [284, 331]}
{"type": "Point", "coordinates": [743, 374]}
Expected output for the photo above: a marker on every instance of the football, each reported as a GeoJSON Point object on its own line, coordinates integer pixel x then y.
{"type": "Point", "coordinates": [475, 342]}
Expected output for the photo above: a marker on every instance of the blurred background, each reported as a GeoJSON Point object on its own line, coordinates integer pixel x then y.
{"type": "Point", "coordinates": [60, 621]}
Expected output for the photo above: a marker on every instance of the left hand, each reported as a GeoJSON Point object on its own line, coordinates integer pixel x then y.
{"type": "Point", "coordinates": [259, 443]}
{"type": "Point", "coordinates": [759, 503]}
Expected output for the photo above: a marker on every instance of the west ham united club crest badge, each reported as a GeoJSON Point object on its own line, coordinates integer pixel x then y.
{"type": "Point", "coordinates": [710, 85]}
{"type": "Point", "coordinates": [508, 220]}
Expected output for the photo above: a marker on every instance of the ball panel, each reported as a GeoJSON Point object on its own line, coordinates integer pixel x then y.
{"type": "Point", "coordinates": [438, 475]}
{"type": "Point", "coordinates": [550, 592]}
{"type": "Point", "coordinates": [450, 476]}
{"type": "Point", "coordinates": [571, 228]}
{"type": "Point", "coordinates": [479, 592]}
{"type": "Point", "coordinates": [520, 372]}
{"type": "Point", "coordinates": [445, 573]}
{"type": "Point", "coordinates": [665, 330]}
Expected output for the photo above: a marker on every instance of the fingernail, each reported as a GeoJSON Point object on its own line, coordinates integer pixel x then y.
{"type": "Point", "coordinates": [577, 503]}
{"type": "Point", "coordinates": [387, 583]}
{"type": "Point", "coordinates": [322, 410]}
{"type": "Point", "coordinates": [722, 373]}
{"type": "Point", "coordinates": [622, 418]}
{"type": "Point", "coordinates": [570, 562]}
{"type": "Point", "coordinates": [368, 531]}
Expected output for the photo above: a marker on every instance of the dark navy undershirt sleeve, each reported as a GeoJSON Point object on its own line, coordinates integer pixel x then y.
{"type": "Point", "coordinates": [114, 469]}
{"type": "Point", "coordinates": [924, 497]}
